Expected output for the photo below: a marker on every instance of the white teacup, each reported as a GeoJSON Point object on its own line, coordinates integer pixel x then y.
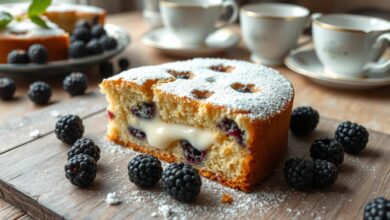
{"type": "Point", "coordinates": [191, 21]}
{"type": "Point", "coordinates": [271, 30]}
{"type": "Point", "coordinates": [350, 45]}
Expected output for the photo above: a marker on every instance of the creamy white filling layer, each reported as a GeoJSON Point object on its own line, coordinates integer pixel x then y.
{"type": "Point", "coordinates": [160, 134]}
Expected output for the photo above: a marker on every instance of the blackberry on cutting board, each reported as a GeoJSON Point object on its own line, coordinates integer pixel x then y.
{"type": "Point", "coordinates": [352, 136]}
{"type": "Point", "coordinates": [378, 208]}
{"type": "Point", "coordinates": [325, 173]}
{"type": "Point", "coordinates": [181, 181]}
{"type": "Point", "coordinates": [304, 119]}
{"type": "Point", "coordinates": [82, 34]}
{"type": "Point", "coordinates": [69, 128]}
{"type": "Point", "coordinates": [75, 84]}
{"type": "Point", "coordinates": [84, 146]}
{"type": "Point", "coordinates": [144, 170]}
{"type": "Point", "coordinates": [299, 173]}
{"type": "Point", "coordinates": [7, 88]}
{"type": "Point", "coordinates": [37, 53]}
{"type": "Point", "coordinates": [78, 49]}
{"type": "Point", "coordinates": [80, 170]}
{"type": "Point", "coordinates": [17, 57]}
{"type": "Point", "coordinates": [94, 47]}
{"type": "Point", "coordinates": [39, 92]}
{"type": "Point", "coordinates": [327, 149]}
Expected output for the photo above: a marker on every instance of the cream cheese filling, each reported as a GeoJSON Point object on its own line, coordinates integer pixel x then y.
{"type": "Point", "coordinates": [160, 134]}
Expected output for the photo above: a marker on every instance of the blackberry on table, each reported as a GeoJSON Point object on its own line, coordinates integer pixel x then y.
{"type": "Point", "coordinates": [39, 92]}
{"type": "Point", "coordinates": [18, 57]}
{"type": "Point", "coordinates": [352, 136]}
{"type": "Point", "coordinates": [325, 173]}
{"type": "Point", "coordinates": [299, 173]}
{"type": "Point", "coordinates": [84, 146]}
{"type": "Point", "coordinates": [109, 43]}
{"type": "Point", "coordinates": [304, 120]}
{"type": "Point", "coordinates": [181, 181]}
{"type": "Point", "coordinates": [144, 170]}
{"type": "Point", "coordinates": [106, 69]}
{"type": "Point", "coordinates": [94, 47]}
{"type": "Point", "coordinates": [123, 64]}
{"type": "Point", "coordinates": [75, 84]}
{"type": "Point", "coordinates": [37, 53]}
{"type": "Point", "coordinates": [7, 88]}
{"type": "Point", "coordinates": [82, 34]}
{"type": "Point", "coordinates": [80, 170]}
{"type": "Point", "coordinates": [69, 128]}
{"type": "Point", "coordinates": [377, 209]}
{"type": "Point", "coordinates": [327, 149]}
{"type": "Point", "coordinates": [98, 31]}
{"type": "Point", "coordinates": [78, 49]}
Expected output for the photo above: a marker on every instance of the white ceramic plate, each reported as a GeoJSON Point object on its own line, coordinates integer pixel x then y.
{"type": "Point", "coordinates": [306, 63]}
{"type": "Point", "coordinates": [65, 66]}
{"type": "Point", "coordinates": [217, 42]}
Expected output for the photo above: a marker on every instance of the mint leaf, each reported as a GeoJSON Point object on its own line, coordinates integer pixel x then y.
{"type": "Point", "coordinates": [38, 21]}
{"type": "Point", "coordinates": [5, 19]}
{"type": "Point", "coordinates": [38, 7]}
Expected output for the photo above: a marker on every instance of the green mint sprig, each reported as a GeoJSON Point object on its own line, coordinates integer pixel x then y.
{"type": "Point", "coordinates": [36, 9]}
{"type": "Point", "coordinates": [5, 19]}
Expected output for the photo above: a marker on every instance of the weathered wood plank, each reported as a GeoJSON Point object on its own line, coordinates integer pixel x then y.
{"type": "Point", "coordinates": [35, 181]}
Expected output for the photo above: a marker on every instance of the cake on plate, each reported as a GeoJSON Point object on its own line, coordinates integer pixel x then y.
{"type": "Point", "coordinates": [227, 118]}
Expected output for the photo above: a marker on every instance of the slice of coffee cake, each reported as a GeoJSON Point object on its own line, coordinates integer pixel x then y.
{"type": "Point", "coordinates": [227, 118]}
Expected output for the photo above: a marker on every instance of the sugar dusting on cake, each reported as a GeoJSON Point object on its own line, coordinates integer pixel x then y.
{"type": "Point", "coordinates": [271, 92]}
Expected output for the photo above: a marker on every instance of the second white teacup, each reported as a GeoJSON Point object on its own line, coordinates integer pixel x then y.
{"type": "Point", "coordinates": [191, 21]}
{"type": "Point", "coordinates": [271, 30]}
{"type": "Point", "coordinates": [350, 45]}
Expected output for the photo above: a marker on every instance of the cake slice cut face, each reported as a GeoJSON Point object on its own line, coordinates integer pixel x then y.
{"type": "Point", "coordinates": [227, 118]}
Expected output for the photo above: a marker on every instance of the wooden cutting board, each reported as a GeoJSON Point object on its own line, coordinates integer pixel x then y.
{"type": "Point", "coordinates": [32, 177]}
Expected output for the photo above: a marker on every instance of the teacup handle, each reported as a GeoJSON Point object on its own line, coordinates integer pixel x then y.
{"type": "Point", "coordinates": [233, 16]}
{"type": "Point", "coordinates": [380, 66]}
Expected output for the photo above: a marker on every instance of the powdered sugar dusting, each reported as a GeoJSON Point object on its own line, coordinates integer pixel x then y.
{"type": "Point", "coordinates": [273, 90]}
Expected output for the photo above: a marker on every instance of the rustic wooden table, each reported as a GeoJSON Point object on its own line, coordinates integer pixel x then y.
{"type": "Point", "coordinates": [370, 108]}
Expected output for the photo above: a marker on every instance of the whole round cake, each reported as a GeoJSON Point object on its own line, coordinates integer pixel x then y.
{"type": "Point", "coordinates": [227, 118]}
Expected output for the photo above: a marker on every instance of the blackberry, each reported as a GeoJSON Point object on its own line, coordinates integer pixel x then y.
{"type": "Point", "coordinates": [191, 154]}
{"type": "Point", "coordinates": [299, 173]}
{"type": "Point", "coordinates": [144, 110]}
{"type": "Point", "coordinates": [377, 209]}
{"type": "Point", "coordinates": [181, 181]}
{"type": "Point", "coordinates": [98, 31]}
{"type": "Point", "coordinates": [94, 47]}
{"type": "Point", "coordinates": [78, 49]}
{"type": "Point", "coordinates": [18, 57]}
{"type": "Point", "coordinates": [304, 120]}
{"type": "Point", "coordinates": [109, 43]}
{"type": "Point", "coordinates": [137, 133]}
{"type": "Point", "coordinates": [80, 170]}
{"type": "Point", "coordinates": [82, 34]}
{"type": "Point", "coordinates": [231, 128]}
{"type": "Point", "coordinates": [37, 53]}
{"type": "Point", "coordinates": [69, 128]}
{"type": "Point", "coordinates": [144, 170]}
{"type": "Point", "coordinates": [327, 149]}
{"type": "Point", "coordinates": [325, 173]}
{"type": "Point", "coordinates": [352, 136]}
{"type": "Point", "coordinates": [84, 146]}
{"type": "Point", "coordinates": [75, 84]}
{"type": "Point", "coordinates": [123, 64]}
{"type": "Point", "coordinates": [83, 24]}
{"type": "Point", "coordinates": [106, 69]}
{"type": "Point", "coordinates": [39, 92]}
{"type": "Point", "coordinates": [7, 88]}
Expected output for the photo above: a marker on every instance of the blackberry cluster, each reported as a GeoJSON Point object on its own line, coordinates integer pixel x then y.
{"type": "Point", "coordinates": [181, 181]}
{"type": "Point", "coordinates": [75, 84]}
{"type": "Point", "coordinates": [106, 69]}
{"type": "Point", "coordinates": [94, 47]}
{"type": "Point", "coordinates": [327, 149]}
{"type": "Point", "coordinates": [144, 170]}
{"type": "Point", "coordinates": [378, 208]}
{"type": "Point", "coordinates": [37, 53]}
{"type": "Point", "coordinates": [109, 43]}
{"type": "Point", "coordinates": [18, 57]}
{"type": "Point", "coordinates": [82, 33]}
{"type": "Point", "coordinates": [69, 128]}
{"type": "Point", "coordinates": [78, 49]}
{"type": "Point", "coordinates": [97, 31]}
{"type": "Point", "coordinates": [7, 88]}
{"type": "Point", "coordinates": [84, 146]}
{"type": "Point", "coordinates": [304, 120]}
{"type": "Point", "coordinates": [80, 170]}
{"type": "Point", "coordinates": [39, 92]}
{"type": "Point", "coordinates": [352, 136]}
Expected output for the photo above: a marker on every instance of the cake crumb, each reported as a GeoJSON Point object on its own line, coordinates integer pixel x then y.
{"type": "Point", "coordinates": [227, 199]}
{"type": "Point", "coordinates": [35, 133]}
{"type": "Point", "coordinates": [112, 199]}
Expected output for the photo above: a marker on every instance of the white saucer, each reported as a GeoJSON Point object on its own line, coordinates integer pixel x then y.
{"type": "Point", "coordinates": [306, 63]}
{"type": "Point", "coordinates": [165, 42]}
